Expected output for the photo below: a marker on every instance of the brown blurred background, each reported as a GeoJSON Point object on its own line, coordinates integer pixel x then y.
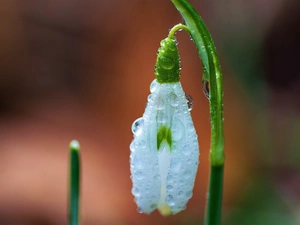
{"type": "Point", "coordinates": [82, 69]}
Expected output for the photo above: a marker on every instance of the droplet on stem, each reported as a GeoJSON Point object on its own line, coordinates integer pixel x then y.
{"type": "Point", "coordinates": [205, 88]}
{"type": "Point", "coordinates": [189, 101]}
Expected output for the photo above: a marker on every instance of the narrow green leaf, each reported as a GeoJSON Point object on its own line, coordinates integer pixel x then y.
{"type": "Point", "coordinates": [74, 188]}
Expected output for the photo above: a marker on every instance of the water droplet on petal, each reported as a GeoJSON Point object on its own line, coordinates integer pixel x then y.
{"type": "Point", "coordinates": [187, 174]}
{"type": "Point", "coordinates": [189, 101]}
{"type": "Point", "coordinates": [156, 178]}
{"type": "Point", "coordinates": [169, 177]}
{"type": "Point", "coordinates": [205, 88]}
{"type": "Point", "coordinates": [137, 126]}
{"type": "Point", "coordinates": [186, 150]}
{"type": "Point", "coordinates": [140, 144]}
{"type": "Point", "coordinates": [139, 175]}
{"type": "Point", "coordinates": [189, 194]}
{"type": "Point", "coordinates": [175, 165]}
{"type": "Point", "coordinates": [169, 187]}
{"type": "Point", "coordinates": [132, 146]}
{"type": "Point", "coordinates": [140, 210]}
{"type": "Point", "coordinates": [150, 97]}
{"type": "Point", "coordinates": [166, 63]}
{"type": "Point", "coordinates": [135, 191]}
{"type": "Point", "coordinates": [174, 99]}
{"type": "Point", "coordinates": [177, 129]}
{"type": "Point", "coordinates": [153, 86]}
{"type": "Point", "coordinates": [170, 200]}
{"type": "Point", "coordinates": [180, 193]}
{"type": "Point", "coordinates": [161, 118]}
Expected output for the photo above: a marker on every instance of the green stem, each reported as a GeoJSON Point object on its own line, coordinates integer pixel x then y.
{"type": "Point", "coordinates": [214, 201]}
{"type": "Point", "coordinates": [211, 73]}
{"type": "Point", "coordinates": [74, 187]}
{"type": "Point", "coordinates": [178, 27]}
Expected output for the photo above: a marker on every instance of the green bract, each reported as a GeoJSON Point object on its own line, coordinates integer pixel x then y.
{"type": "Point", "coordinates": [167, 62]}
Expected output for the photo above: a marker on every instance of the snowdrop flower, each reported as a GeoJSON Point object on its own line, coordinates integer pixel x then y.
{"type": "Point", "coordinates": [165, 151]}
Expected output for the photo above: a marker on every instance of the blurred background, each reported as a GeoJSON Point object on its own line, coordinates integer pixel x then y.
{"type": "Point", "coordinates": [82, 69]}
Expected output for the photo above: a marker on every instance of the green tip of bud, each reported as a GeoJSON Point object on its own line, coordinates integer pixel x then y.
{"type": "Point", "coordinates": [167, 67]}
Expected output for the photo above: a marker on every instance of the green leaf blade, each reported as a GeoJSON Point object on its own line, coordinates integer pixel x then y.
{"type": "Point", "coordinates": [74, 183]}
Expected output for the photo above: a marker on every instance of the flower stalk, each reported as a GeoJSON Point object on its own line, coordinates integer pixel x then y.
{"type": "Point", "coordinates": [212, 74]}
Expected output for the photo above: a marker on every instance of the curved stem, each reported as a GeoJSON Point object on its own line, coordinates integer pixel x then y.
{"type": "Point", "coordinates": [178, 27]}
{"type": "Point", "coordinates": [74, 187]}
{"type": "Point", "coordinates": [212, 74]}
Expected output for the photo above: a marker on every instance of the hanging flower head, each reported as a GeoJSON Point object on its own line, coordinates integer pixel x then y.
{"type": "Point", "coordinates": [164, 151]}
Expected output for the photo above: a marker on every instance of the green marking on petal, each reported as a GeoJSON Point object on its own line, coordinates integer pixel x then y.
{"type": "Point", "coordinates": [164, 133]}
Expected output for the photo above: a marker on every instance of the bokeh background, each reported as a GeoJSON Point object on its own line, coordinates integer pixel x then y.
{"type": "Point", "coordinates": [81, 70]}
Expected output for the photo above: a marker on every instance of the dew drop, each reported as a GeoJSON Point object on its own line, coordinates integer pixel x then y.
{"type": "Point", "coordinates": [187, 174]}
{"type": "Point", "coordinates": [172, 46]}
{"type": "Point", "coordinates": [150, 98]}
{"type": "Point", "coordinates": [162, 43]}
{"type": "Point", "coordinates": [186, 150]}
{"type": "Point", "coordinates": [177, 129]}
{"type": "Point", "coordinates": [169, 187]}
{"type": "Point", "coordinates": [153, 86]}
{"type": "Point", "coordinates": [156, 178]}
{"type": "Point", "coordinates": [161, 117]}
{"type": "Point", "coordinates": [166, 63]}
{"type": "Point", "coordinates": [174, 99]}
{"type": "Point", "coordinates": [160, 105]}
{"type": "Point", "coordinates": [207, 195]}
{"type": "Point", "coordinates": [137, 126]}
{"type": "Point", "coordinates": [140, 144]}
{"type": "Point", "coordinates": [132, 146]}
{"type": "Point", "coordinates": [205, 88]}
{"type": "Point", "coordinates": [180, 193]}
{"type": "Point", "coordinates": [175, 165]}
{"type": "Point", "coordinates": [189, 101]}
{"type": "Point", "coordinates": [139, 175]}
{"type": "Point", "coordinates": [189, 194]}
{"type": "Point", "coordinates": [140, 210]}
{"type": "Point", "coordinates": [170, 200]}
{"type": "Point", "coordinates": [135, 191]}
{"type": "Point", "coordinates": [136, 163]}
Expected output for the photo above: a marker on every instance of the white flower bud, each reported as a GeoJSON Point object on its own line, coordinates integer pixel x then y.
{"type": "Point", "coordinates": [164, 152]}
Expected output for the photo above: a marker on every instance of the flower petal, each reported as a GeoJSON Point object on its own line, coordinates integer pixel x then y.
{"type": "Point", "coordinates": [164, 152]}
